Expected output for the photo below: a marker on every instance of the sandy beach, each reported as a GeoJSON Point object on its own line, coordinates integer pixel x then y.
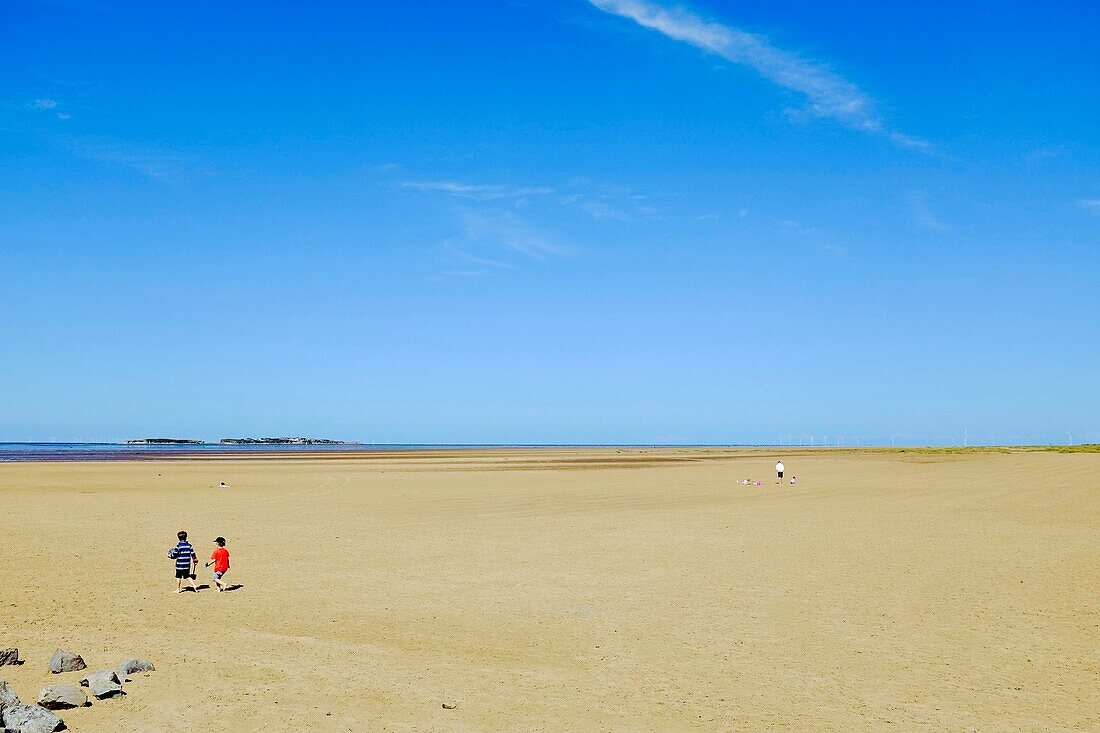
{"type": "Point", "coordinates": [568, 590]}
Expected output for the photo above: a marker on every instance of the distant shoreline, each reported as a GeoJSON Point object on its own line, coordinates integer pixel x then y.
{"type": "Point", "coordinates": [240, 441]}
{"type": "Point", "coordinates": [110, 452]}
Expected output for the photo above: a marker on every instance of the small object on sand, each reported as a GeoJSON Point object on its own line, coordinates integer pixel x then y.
{"type": "Point", "coordinates": [794, 480]}
{"type": "Point", "coordinates": [135, 666]}
{"type": "Point", "coordinates": [9, 656]}
{"type": "Point", "coordinates": [103, 684]}
{"type": "Point", "coordinates": [223, 485]}
{"type": "Point", "coordinates": [62, 661]}
{"type": "Point", "coordinates": [449, 706]}
{"type": "Point", "coordinates": [62, 697]}
{"type": "Point", "coordinates": [759, 484]}
{"type": "Point", "coordinates": [31, 719]}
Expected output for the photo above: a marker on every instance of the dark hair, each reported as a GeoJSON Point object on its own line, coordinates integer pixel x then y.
{"type": "Point", "coordinates": [182, 535]}
{"type": "Point", "coordinates": [220, 541]}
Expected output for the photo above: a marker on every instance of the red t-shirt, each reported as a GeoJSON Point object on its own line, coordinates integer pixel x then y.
{"type": "Point", "coordinates": [220, 557]}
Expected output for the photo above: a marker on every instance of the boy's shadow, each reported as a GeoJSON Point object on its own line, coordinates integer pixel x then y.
{"type": "Point", "coordinates": [235, 586]}
{"type": "Point", "coordinates": [204, 586]}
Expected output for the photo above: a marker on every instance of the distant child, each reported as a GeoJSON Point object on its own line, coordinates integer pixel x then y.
{"type": "Point", "coordinates": [779, 471]}
{"type": "Point", "coordinates": [186, 562]}
{"type": "Point", "coordinates": [219, 558]}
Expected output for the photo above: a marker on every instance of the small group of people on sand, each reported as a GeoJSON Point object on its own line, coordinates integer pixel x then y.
{"type": "Point", "coordinates": [779, 473]}
{"type": "Point", "coordinates": [779, 468]}
{"type": "Point", "coordinates": [187, 562]}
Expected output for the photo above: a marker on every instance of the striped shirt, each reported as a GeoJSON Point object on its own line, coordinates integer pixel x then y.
{"type": "Point", "coordinates": [183, 554]}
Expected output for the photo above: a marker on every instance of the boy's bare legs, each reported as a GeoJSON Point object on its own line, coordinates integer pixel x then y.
{"type": "Point", "coordinates": [179, 585]}
{"type": "Point", "coordinates": [190, 578]}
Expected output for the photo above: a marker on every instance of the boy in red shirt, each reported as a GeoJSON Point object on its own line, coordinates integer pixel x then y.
{"type": "Point", "coordinates": [219, 558]}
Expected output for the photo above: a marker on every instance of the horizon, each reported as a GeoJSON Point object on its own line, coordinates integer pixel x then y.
{"type": "Point", "coordinates": [582, 222]}
{"type": "Point", "coordinates": [351, 443]}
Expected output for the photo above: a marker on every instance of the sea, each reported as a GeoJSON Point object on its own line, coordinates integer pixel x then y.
{"type": "Point", "coordinates": [23, 452]}
{"type": "Point", "coordinates": [16, 452]}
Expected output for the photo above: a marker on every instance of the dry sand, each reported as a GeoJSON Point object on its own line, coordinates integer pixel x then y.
{"type": "Point", "coordinates": [595, 590]}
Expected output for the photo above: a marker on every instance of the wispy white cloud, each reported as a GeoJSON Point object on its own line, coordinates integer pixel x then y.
{"type": "Point", "coordinates": [461, 273]}
{"type": "Point", "coordinates": [506, 229]}
{"type": "Point", "coordinates": [908, 141]}
{"type": "Point", "coordinates": [831, 249]}
{"type": "Point", "coordinates": [827, 93]}
{"type": "Point", "coordinates": [1092, 205]}
{"type": "Point", "coordinates": [602, 211]}
{"type": "Point", "coordinates": [151, 163]}
{"type": "Point", "coordinates": [601, 202]}
{"type": "Point", "coordinates": [491, 231]}
{"type": "Point", "coordinates": [475, 259]}
{"type": "Point", "coordinates": [1044, 153]}
{"type": "Point", "coordinates": [924, 217]}
{"type": "Point", "coordinates": [45, 103]}
{"type": "Point", "coordinates": [476, 191]}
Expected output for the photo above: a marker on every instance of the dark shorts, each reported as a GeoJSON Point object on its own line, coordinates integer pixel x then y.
{"type": "Point", "coordinates": [780, 474]}
{"type": "Point", "coordinates": [185, 573]}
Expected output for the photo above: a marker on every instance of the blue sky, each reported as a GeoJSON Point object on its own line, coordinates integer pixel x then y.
{"type": "Point", "coordinates": [567, 221]}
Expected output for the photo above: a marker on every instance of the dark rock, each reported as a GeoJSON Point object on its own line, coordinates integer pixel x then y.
{"type": "Point", "coordinates": [62, 697]}
{"type": "Point", "coordinates": [66, 662]}
{"type": "Point", "coordinates": [135, 666]}
{"type": "Point", "coordinates": [31, 719]}
{"type": "Point", "coordinates": [103, 684]}
{"type": "Point", "coordinates": [9, 656]}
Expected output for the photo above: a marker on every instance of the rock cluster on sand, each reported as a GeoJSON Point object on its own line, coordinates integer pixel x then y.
{"type": "Point", "coordinates": [103, 684]}
{"type": "Point", "coordinates": [16, 717]}
{"type": "Point", "coordinates": [62, 697]}
{"type": "Point", "coordinates": [62, 661]}
{"type": "Point", "coordinates": [9, 656]}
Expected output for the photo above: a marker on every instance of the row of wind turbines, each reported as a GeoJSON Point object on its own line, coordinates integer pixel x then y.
{"type": "Point", "coordinates": [841, 440]}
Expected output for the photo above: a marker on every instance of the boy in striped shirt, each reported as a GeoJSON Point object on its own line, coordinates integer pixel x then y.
{"type": "Point", "coordinates": [187, 562]}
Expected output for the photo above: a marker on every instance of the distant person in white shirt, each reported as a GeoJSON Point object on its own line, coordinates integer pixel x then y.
{"type": "Point", "coordinates": [779, 471]}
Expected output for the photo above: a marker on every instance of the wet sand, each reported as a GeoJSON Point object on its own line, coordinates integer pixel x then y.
{"type": "Point", "coordinates": [568, 590]}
